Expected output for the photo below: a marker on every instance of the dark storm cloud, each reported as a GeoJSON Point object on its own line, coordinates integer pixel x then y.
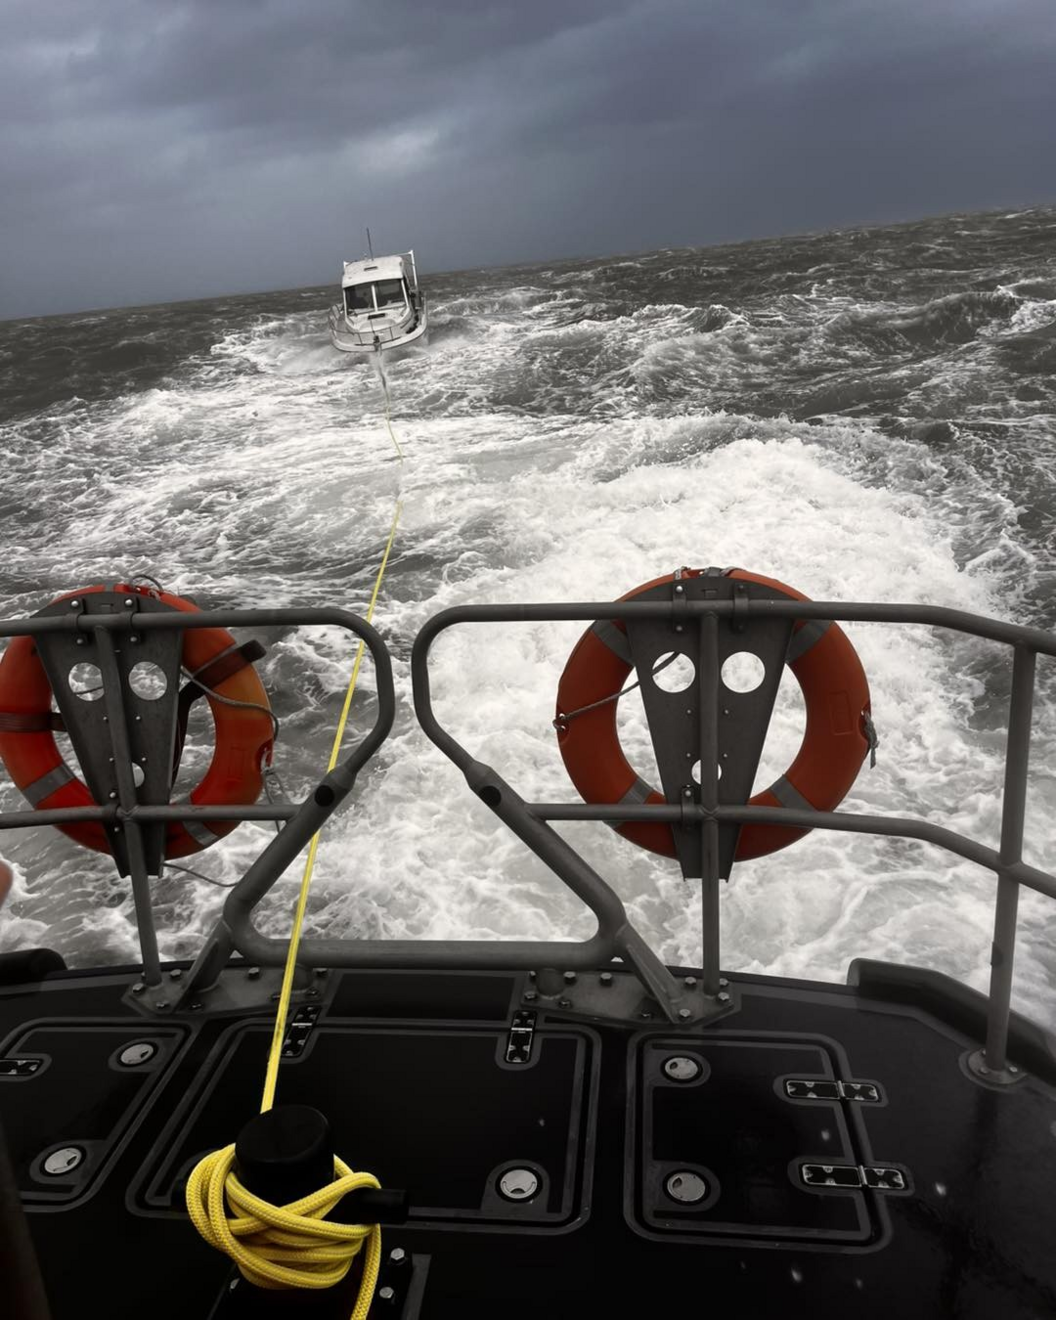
{"type": "Point", "coordinates": [155, 150]}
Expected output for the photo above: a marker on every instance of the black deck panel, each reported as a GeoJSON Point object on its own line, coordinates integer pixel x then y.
{"type": "Point", "coordinates": [433, 1101]}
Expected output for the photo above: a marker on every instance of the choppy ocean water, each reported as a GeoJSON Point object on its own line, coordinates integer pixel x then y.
{"type": "Point", "coordinates": [869, 414]}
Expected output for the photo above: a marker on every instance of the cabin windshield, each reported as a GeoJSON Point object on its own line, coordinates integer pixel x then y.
{"type": "Point", "coordinates": [389, 293]}
{"type": "Point", "coordinates": [358, 299]}
{"type": "Point", "coordinates": [380, 295]}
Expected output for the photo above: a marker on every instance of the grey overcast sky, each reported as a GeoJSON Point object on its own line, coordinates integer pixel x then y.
{"type": "Point", "coordinates": [164, 149]}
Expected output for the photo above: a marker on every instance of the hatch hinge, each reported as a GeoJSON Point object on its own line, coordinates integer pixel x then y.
{"type": "Point", "coordinates": [19, 1067]}
{"type": "Point", "coordinates": [877, 1177]}
{"type": "Point", "coordinates": [520, 1036]}
{"type": "Point", "coordinates": [298, 1031]}
{"type": "Point", "coordinates": [865, 1093]}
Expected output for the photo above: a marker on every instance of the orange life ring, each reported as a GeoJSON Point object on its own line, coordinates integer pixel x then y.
{"type": "Point", "coordinates": [244, 737]}
{"type": "Point", "coordinates": [837, 736]}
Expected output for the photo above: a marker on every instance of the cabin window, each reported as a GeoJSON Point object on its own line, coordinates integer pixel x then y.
{"type": "Point", "coordinates": [389, 293]}
{"type": "Point", "coordinates": [358, 299]}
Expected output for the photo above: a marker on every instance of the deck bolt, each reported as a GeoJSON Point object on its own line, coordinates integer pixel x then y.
{"type": "Point", "coordinates": [397, 1255]}
{"type": "Point", "coordinates": [690, 982]}
{"type": "Point", "coordinates": [82, 641]}
{"type": "Point", "coordinates": [684, 1014]}
{"type": "Point", "coordinates": [645, 1014]}
{"type": "Point", "coordinates": [1012, 1068]}
{"type": "Point", "coordinates": [531, 976]}
{"type": "Point", "coordinates": [605, 978]}
{"type": "Point", "coordinates": [129, 602]}
{"type": "Point", "coordinates": [162, 1004]}
{"type": "Point", "coordinates": [723, 983]}
{"type": "Point", "coordinates": [195, 1008]}
{"type": "Point", "coordinates": [386, 1294]}
{"type": "Point", "coordinates": [723, 997]}
{"type": "Point", "coordinates": [564, 1003]}
{"type": "Point", "coordinates": [253, 973]}
{"type": "Point", "coordinates": [112, 796]}
{"type": "Point", "coordinates": [175, 974]}
{"type": "Point", "coordinates": [138, 988]}
{"type": "Point", "coordinates": [75, 604]}
{"type": "Point", "coordinates": [570, 978]}
{"type": "Point", "coordinates": [530, 996]}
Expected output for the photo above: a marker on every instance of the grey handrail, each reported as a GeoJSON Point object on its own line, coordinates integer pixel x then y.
{"type": "Point", "coordinates": [301, 820]}
{"type": "Point", "coordinates": [1007, 863]}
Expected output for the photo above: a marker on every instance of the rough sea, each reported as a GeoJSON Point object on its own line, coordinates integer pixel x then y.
{"type": "Point", "coordinates": [868, 414]}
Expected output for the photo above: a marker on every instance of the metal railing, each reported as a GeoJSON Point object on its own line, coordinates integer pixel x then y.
{"type": "Point", "coordinates": [302, 819]}
{"type": "Point", "coordinates": [616, 936]}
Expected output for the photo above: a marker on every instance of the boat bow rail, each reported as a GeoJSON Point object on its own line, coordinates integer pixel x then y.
{"type": "Point", "coordinates": [709, 618]}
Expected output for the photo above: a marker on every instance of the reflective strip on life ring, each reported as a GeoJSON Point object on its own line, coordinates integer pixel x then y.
{"type": "Point", "coordinates": [835, 692]}
{"type": "Point", "coordinates": [244, 737]}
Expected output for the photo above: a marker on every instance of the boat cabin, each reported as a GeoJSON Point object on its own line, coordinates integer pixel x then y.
{"type": "Point", "coordinates": [378, 287]}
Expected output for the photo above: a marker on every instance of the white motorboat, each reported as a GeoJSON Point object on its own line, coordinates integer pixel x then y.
{"type": "Point", "coordinates": [381, 305]}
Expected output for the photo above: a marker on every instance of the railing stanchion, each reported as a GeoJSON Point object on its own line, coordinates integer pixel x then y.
{"type": "Point", "coordinates": [994, 1062]}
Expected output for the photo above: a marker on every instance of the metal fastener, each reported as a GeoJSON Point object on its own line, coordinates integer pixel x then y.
{"type": "Point", "coordinates": [690, 982]}
{"type": "Point", "coordinates": [645, 1013]}
{"type": "Point", "coordinates": [687, 1187]}
{"type": "Point", "coordinates": [175, 974]}
{"type": "Point", "coordinates": [138, 987]}
{"type": "Point", "coordinates": [129, 602]}
{"type": "Point", "coordinates": [253, 973]}
{"type": "Point", "coordinates": [386, 1294]}
{"type": "Point", "coordinates": [684, 1014]}
{"type": "Point", "coordinates": [681, 1068]}
{"type": "Point", "coordinates": [63, 1161]}
{"type": "Point", "coordinates": [564, 1003]}
{"type": "Point", "coordinates": [139, 1052]}
{"type": "Point", "coordinates": [518, 1184]}
{"type": "Point", "coordinates": [75, 604]}
{"type": "Point", "coordinates": [196, 1008]}
{"type": "Point", "coordinates": [570, 978]}
{"type": "Point", "coordinates": [723, 997]}
{"type": "Point", "coordinates": [397, 1255]}
{"type": "Point", "coordinates": [605, 978]}
{"type": "Point", "coordinates": [530, 996]}
{"type": "Point", "coordinates": [723, 983]}
{"type": "Point", "coordinates": [162, 1004]}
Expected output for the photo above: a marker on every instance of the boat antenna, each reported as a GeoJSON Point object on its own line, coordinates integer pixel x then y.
{"type": "Point", "coordinates": [370, 246]}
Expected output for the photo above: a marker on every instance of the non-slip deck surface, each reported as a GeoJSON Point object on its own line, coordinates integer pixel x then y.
{"type": "Point", "coordinates": [411, 1071]}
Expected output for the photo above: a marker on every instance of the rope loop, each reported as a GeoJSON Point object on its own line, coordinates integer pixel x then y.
{"type": "Point", "coordinates": [288, 1246]}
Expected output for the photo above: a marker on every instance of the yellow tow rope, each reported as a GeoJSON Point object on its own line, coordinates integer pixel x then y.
{"type": "Point", "coordinates": [293, 1246]}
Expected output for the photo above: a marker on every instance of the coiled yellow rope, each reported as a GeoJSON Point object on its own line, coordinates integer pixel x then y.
{"type": "Point", "coordinates": [292, 1246]}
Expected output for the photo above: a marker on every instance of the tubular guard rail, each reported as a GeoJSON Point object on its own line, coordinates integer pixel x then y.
{"type": "Point", "coordinates": [615, 936]}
